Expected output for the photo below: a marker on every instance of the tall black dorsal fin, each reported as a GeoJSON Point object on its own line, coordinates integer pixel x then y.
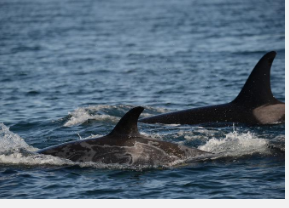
{"type": "Point", "coordinates": [128, 123]}
{"type": "Point", "coordinates": [257, 89]}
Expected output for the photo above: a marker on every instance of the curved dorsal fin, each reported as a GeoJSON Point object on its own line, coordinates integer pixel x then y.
{"type": "Point", "coordinates": [128, 123]}
{"type": "Point", "coordinates": [257, 89]}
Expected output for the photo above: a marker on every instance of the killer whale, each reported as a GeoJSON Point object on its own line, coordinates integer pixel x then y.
{"type": "Point", "coordinates": [124, 145]}
{"type": "Point", "coordinates": [255, 104]}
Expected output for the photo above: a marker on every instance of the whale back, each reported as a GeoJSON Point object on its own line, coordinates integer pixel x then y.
{"type": "Point", "coordinates": [124, 145]}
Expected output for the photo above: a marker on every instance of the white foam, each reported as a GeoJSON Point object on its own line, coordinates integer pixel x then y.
{"type": "Point", "coordinates": [11, 142]}
{"type": "Point", "coordinates": [18, 158]}
{"type": "Point", "coordinates": [235, 144]}
{"type": "Point", "coordinates": [80, 115]}
{"type": "Point", "coordinates": [147, 115]}
{"type": "Point", "coordinates": [14, 150]}
{"type": "Point", "coordinates": [156, 136]}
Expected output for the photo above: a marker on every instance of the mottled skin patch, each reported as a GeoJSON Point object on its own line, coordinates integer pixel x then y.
{"type": "Point", "coordinates": [138, 150]}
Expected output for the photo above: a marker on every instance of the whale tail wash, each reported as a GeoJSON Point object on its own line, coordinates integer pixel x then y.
{"type": "Point", "coordinates": [255, 104]}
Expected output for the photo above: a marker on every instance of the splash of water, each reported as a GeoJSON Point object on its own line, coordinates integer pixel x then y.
{"type": "Point", "coordinates": [14, 150]}
{"type": "Point", "coordinates": [12, 142]}
{"type": "Point", "coordinates": [237, 144]}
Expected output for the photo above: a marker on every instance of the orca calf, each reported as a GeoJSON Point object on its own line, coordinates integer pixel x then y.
{"type": "Point", "coordinates": [255, 104]}
{"type": "Point", "coordinates": [124, 145]}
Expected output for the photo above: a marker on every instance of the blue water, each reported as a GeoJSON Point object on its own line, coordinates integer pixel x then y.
{"type": "Point", "coordinates": [70, 69]}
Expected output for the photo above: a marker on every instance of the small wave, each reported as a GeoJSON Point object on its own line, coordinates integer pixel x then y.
{"type": "Point", "coordinates": [110, 113]}
{"type": "Point", "coordinates": [10, 141]}
{"type": "Point", "coordinates": [80, 115]}
{"type": "Point", "coordinates": [236, 144]}
{"type": "Point", "coordinates": [14, 150]}
{"type": "Point", "coordinates": [146, 115]}
{"type": "Point", "coordinates": [18, 158]}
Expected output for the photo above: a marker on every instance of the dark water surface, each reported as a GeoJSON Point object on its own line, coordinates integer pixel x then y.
{"type": "Point", "coordinates": [70, 68]}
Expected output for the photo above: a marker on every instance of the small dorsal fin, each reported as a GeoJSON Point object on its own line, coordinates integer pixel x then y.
{"type": "Point", "coordinates": [257, 89]}
{"type": "Point", "coordinates": [128, 123]}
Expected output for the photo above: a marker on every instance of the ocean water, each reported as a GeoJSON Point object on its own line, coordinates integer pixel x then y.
{"type": "Point", "coordinates": [70, 69]}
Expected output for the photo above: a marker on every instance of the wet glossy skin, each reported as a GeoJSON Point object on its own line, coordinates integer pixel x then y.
{"type": "Point", "coordinates": [230, 112]}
